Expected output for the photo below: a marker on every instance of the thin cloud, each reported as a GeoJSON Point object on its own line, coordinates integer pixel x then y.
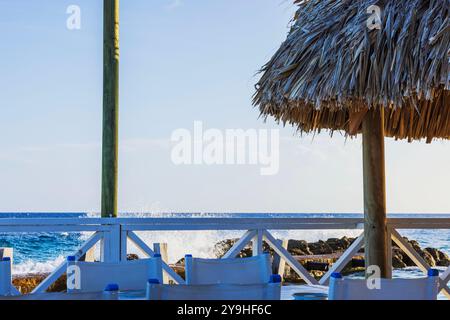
{"type": "Point", "coordinates": [174, 4]}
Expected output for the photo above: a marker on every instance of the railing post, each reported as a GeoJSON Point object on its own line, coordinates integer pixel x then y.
{"type": "Point", "coordinates": [389, 253]}
{"type": "Point", "coordinates": [123, 244]}
{"type": "Point", "coordinates": [258, 243]}
{"type": "Point", "coordinates": [105, 247]}
{"type": "Point", "coordinates": [161, 248]}
{"type": "Point", "coordinates": [115, 243]}
{"type": "Point", "coordinates": [111, 244]}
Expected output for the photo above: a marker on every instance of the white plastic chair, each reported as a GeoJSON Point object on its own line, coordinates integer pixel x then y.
{"type": "Point", "coordinates": [267, 291]}
{"type": "Point", "coordinates": [390, 289]}
{"type": "Point", "coordinates": [84, 277]}
{"type": "Point", "coordinates": [253, 270]}
{"type": "Point", "coordinates": [6, 287]}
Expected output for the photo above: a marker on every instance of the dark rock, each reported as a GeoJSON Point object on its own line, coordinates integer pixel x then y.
{"type": "Point", "coordinates": [398, 258]}
{"type": "Point", "coordinates": [222, 247]}
{"type": "Point", "coordinates": [132, 256]}
{"type": "Point", "coordinates": [433, 252]}
{"type": "Point", "coordinates": [444, 260]}
{"type": "Point", "coordinates": [397, 262]}
{"type": "Point", "coordinates": [26, 283]}
{"type": "Point", "coordinates": [428, 258]}
{"type": "Point", "coordinates": [320, 247]}
{"type": "Point", "coordinates": [298, 252]}
{"type": "Point", "coordinates": [414, 244]}
{"type": "Point", "coordinates": [298, 247]}
{"type": "Point", "coordinates": [357, 263]}
{"type": "Point", "coordinates": [318, 266]}
{"type": "Point", "coordinates": [441, 258]}
{"type": "Point", "coordinates": [339, 244]}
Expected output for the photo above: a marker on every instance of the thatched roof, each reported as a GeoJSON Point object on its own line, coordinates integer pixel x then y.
{"type": "Point", "coordinates": [332, 68]}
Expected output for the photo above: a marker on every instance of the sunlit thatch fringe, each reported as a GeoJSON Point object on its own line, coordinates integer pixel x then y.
{"type": "Point", "coordinates": [332, 68]}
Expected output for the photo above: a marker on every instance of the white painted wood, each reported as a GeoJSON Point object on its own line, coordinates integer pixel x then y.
{"type": "Point", "coordinates": [415, 257]}
{"type": "Point", "coordinates": [146, 249]}
{"type": "Point", "coordinates": [252, 270]}
{"type": "Point", "coordinates": [123, 245]}
{"type": "Point", "coordinates": [344, 259]}
{"type": "Point", "coordinates": [105, 248]}
{"type": "Point", "coordinates": [162, 249]}
{"type": "Point", "coordinates": [389, 253]}
{"type": "Point", "coordinates": [7, 253]}
{"type": "Point", "coordinates": [44, 285]}
{"type": "Point", "coordinates": [5, 278]}
{"type": "Point", "coordinates": [14, 291]}
{"type": "Point", "coordinates": [55, 221]}
{"type": "Point", "coordinates": [444, 279]}
{"type": "Point", "coordinates": [390, 289]}
{"type": "Point", "coordinates": [282, 264]}
{"type": "Point", "coordinates": [409, 250]}
{"type": "Point", "coordinates": [51, 228]}
{"type": "Point", "coordinates": [59, 271]}
{"type": "Point", "coordinates": [294, 264]}
{"type": "Point", "coordinates": [279, 263]}
{"type": "Point", "coordinates": [257, 292]}
{"type": "Point", "coordinates": [195, 226]}
{"type": "Point", "coordinates": [128, 275]}
{"type": "Point", "coordinates": [101, 224]}
{"type": "Point", "coordinates": [419, 223]}
{"type": "Point", "coordinates": [117, 244]}
{"type": "Point", "coordinates": [240, 244]}
{"type": "Point", "coordinates": [257, 241]}
{"type": "Point", "coordinates": [445, 276]}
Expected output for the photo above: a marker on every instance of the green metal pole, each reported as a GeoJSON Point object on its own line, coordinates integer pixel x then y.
{"type": "Point", "coordinates": [110, 107]}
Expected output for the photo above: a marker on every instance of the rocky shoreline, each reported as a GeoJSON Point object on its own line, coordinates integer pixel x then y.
{"type": "Point", "coordinates": [316, 257]}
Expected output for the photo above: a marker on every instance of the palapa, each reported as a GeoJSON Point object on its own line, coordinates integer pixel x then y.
{"type": "Point", "coordinates": [332, 68]}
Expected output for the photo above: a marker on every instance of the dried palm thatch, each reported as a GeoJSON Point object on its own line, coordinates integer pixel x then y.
{"type": "Point", "coordinates": [332, 68]}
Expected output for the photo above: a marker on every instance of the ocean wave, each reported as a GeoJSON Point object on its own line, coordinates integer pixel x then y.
{"type": "Point", "coordinates": [30, 266]}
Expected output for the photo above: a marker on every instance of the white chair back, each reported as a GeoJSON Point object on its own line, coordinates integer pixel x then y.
{"type": "Point", "coordinates": [389, 289]}
{"type": "Point", "coordinates": [267, 291]}
{"type": "Point", "coordinates": [6, 287]}
{"type": "Point", "coordinates": [253, 270]}
{"type": "Point", "coordinates": [83, 277]}
{"type": "Point", "coordinates": [5, 277]}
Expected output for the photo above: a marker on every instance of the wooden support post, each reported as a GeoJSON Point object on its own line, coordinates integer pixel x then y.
{"type": "Point", "coordinates": [375, 226]}
{"type": "Point", "coordinates": [110, 107]}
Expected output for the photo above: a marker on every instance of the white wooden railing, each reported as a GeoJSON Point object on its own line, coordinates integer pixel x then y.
{"type": "Point", "coordinates": [115, 233]}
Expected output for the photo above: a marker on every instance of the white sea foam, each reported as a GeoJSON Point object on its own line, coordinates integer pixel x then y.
{"type": "Point", "coordinates": [30, 266]}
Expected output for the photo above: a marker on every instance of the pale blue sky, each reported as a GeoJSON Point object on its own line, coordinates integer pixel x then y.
{"type": "Point", "coordinates": [181, 61]}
